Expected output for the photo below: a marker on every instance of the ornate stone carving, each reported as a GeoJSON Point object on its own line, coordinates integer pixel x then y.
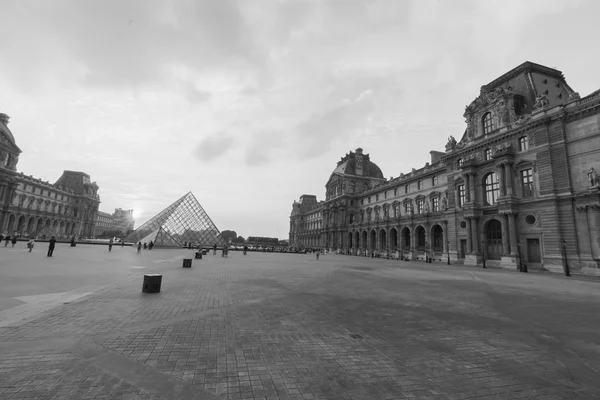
{"type": "Point", "coordinates": [574, 96]}
{"type": "Point", "coordinates": [451, 145]}
{"type": "Point", "coordinates": [541, 102]}
{"type": "Point", "coordinates": [444, 204]}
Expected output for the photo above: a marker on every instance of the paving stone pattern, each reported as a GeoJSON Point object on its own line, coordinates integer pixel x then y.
{"type": "Point", "coordinates": [270, 326]}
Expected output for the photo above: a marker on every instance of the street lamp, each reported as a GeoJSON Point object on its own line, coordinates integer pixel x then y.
{"type": "Point", "coordinates": [483, 251]}
{"type": "Point", "coordinates": [448, 248]}
{"type": "Point", "coordinates": [567, 270]}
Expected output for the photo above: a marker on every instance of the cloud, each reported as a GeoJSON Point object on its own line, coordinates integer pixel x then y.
{"type": "Point", "coordinates": [213, 147]}
{"type": "Point", "coordinates": [262, 144]}
{"type": "Point", "coordinates": [195, 96]}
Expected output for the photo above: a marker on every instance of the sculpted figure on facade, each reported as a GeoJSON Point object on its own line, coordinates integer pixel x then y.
{"type": "Point", "coordinates": [593, 177]}
{"type": "Point", "coordinates": [574, 96]}
{"type": "Point", "coordinates": [540, 102]}
{"type": "Point", "coordinates": [444, 204]}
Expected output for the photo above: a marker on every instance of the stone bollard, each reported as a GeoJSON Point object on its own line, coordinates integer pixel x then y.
{"type": "Point", "coordinates": [152, 283]}
{"type": "Point", "coordinates": [187, 263]}
{"type": "Point", "coordinates": [198, 255]}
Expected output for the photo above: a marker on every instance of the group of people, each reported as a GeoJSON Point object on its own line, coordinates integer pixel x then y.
{"type": "Point", "coordinates": [30, 244]}
{"type": "Point", "coordinates": [147, 246]}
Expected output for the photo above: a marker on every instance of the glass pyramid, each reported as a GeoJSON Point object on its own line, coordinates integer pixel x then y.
{"type": "Point", "coordinates": [184, 221]}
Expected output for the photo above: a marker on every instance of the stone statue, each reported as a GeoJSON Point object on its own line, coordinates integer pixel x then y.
{"type": "Point", "coordinates": [574, 96]}
{"type": "Point", "coordinates": [540, 101]}
{"type": "Point", "coordinates": [444, 204]}
{"type": "Point", "coordinates": [593, 177]}
{"type": "Point", "coordinates": [427, 206]}
{"type": "Point", "coordinates": [412, 209]}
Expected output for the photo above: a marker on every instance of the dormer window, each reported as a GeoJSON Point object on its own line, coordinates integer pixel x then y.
{"type": "Point", "coordinates": [488, 124]}
{"type": "Point", "coordinates": [487, 154]}
{"type": "Point", "coordinates": [406, 189]}
{"type": "Point", "coordinates": [419, 185]}
{"type": "Point", "coordinates": [434, 180]}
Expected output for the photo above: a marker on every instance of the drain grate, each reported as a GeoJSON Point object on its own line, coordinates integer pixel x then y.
{"type": "Point", "coordinates": [355, 336]}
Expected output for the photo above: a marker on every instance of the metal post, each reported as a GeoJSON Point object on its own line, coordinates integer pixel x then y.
{"type": "Point", "coordinates": [426, 253]}
{"type": "Point", "coordinates": [448, 248]}
{"type": "Point", "coordinates": [483, 251]}
{"type": "Point", "coordinates": [567, 270]}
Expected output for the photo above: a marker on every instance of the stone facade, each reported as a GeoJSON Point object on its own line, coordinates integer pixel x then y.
{"type": "Point", "coordinates": [520, 187]}
{"type": "Point", "coordinates": [121, 220]}
{"type": "Point", "coordinates": [30, 207]}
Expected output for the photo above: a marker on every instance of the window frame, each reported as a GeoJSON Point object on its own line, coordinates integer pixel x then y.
{"type": "Point", "coordinates": [527, 187]}
{"type": "Point", "coordinates": [487, 154]}
{"type": "Point", "coordinates": [491, 190]}
{"type": "Point", "coordinates": [435, 204]}
{"type": "Point", "coordinates": [420, 184]}
{"type": "Point", "coordinates": [462, 197]}
{"type": "Point", "coordinates": [420, 206]}
{"type": "Point", "coordinates": [487, 123]}
{"type": "Point", "coordinates": [523, 143]}
{"type": "Point", "coordinates": [406, 189]}
{"type": "Point", "coordinates": [434, 180]}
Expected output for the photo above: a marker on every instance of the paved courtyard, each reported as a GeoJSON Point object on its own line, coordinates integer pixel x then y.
{"type": "Point", "coordinates": [278, 326]}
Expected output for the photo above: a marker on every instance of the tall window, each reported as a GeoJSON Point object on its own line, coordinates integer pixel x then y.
{"type": "Point", "coordinates": [523, 143]}
{"type": "Point", "coordinates": [435, 204]}
{"type": "Point", "coordinates": [396, 192]}
{"type": "Point", "coordinates": [434, 180]}
{"type": "Point", "coordinates": [461, 195]}
{"type": "Point", "coordinates": [406, 189]}
{"type": "Point", "coordinates": [420, 206]}
{"type": "Point", "coordinates": [406, 208]}
{"type": "Point", "coordinates": [377, 197]}
{"type": "Point", "coordinates": [527, 182]}
{"type": "Point", "coordinates": [488, 125]}
{"type": "Point", "coordinates": [459, 162]}
{"type": "Point", "coordinates": [396, 209]}
{"type": "Point", "coordinates": [492, 188]}
{"type": "Point", "coordinates": [487, 155]}
{"type": "Point", "coordinates": [419, 185]}
{"type": "Point", "coordinates": [369, 199]}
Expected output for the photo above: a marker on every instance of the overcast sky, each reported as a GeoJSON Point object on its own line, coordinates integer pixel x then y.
{"type": "Point", "coordinates": [249, 104]}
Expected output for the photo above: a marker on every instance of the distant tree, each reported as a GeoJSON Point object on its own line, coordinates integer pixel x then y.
{"type": "Point", "coordinates": [239, 239]}
{"type": "Point", "coordinates": [229, 235]}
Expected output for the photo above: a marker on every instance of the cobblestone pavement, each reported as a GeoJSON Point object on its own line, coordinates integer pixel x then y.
{"type": "Point", "coordinates": [272, 326]}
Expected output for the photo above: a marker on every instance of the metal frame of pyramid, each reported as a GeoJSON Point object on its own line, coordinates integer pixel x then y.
{"type": "Point", "coordinates": [184, 221]}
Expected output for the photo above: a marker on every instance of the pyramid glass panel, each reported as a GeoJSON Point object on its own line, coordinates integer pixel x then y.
{"type": "Point", "coordinates": [184, 221]}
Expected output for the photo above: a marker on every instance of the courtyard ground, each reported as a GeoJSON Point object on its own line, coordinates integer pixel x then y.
{"type": "Point", "coordinates": [286, 326]}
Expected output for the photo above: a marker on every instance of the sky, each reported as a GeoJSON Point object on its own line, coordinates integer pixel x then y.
{"type": "Point", "coordinates": [249, 104]}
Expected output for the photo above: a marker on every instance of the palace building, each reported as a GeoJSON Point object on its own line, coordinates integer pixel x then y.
{"type": "Point", "coordinates": [519, 187]}
{"type": "Point", "coordinates": [30, 207]}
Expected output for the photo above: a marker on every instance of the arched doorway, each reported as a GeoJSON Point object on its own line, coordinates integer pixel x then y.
{"type": "Point", "coordinates": [405, 234]}
{"type": "Point", "coordinates": [350, 244]}
{"type": "Point", "coordinates": [40, 224]}
{"type": "Point", "coordinates": [373, 241]}
{"type": "Point", "coordinates": [437, 234]}
{"type": "Point", "coordinates": [21, 225]}
{"type": "Point", "coordinates": [493, 240]}
{"type": "Point", "coordinates": [382, 240]}
{"type": "Point", "coordinates": [55, 226]}
{"type": "Point", "coordinates": [421, 238]}
{"type": "Point", "coordinates": [364, 242]}
{"type": "Point", "coordinates": [48, 222]}
{"type": "Point", "coordinates": [356, 241]}
{"type": "Point", "coordinates": [11, 224]}
{"type": "Point", "coordinates": [393, 240]}
{"type": "Point", "coordinates": [31, 225]}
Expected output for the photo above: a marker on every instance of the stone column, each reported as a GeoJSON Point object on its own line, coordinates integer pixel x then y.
{"type": "Point", "coordinates": [467, 187]}
{"type": "Point", "coordinates": [509, 178]}
{"type": "Point", "coordinates": [446, 238]}
{"type": "Point", "coordinates": [512, 231]}
{"type": "Point", "coordinates": [471, 188]}
{"type": "Point", "coordinates": [505, 235]}
{"type": "Point", "coordinates": [500, 169]}
{"type": "Point", "coordinates": [474, 236]}
{"type": "Point", "coordinates": [592, 217]}
{"type": "Point", "coordinates": [456, 198]}
{"type": "Point", "coordinates": [469, 235]}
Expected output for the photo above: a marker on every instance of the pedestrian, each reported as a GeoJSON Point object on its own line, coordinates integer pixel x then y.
{"type": "Point", "coordinates": [30, 244]}
{"type": "Point", "coordinates": [51, 245]}
{"type": "Point", "coordinates": [139, 247]}
{"type": "Point", "coordinates": [215, 250]}
{"type": "Point", "coordinates": [1, 237]}
{"type": "Point", "coordinates": [151, 245]}
{"type": "Point", "coordinates": [317, 253]}
{"type": "Point", "coordinates": [145, 246]}
{"type": "Point", "coordinates": [72, 241]}
{"type": "Point", "coordinates": [245, 249]}
{"type": "Point", "coordinates": [122, 243]}
{"type": "Point", "coordinates": [14, 240]}
{"type": "Point", "coordinates": [6, 240]}
{"type": "Point", "coordinates": [223, 251]}
{"type": "Point", "coordinates": [110, 244]}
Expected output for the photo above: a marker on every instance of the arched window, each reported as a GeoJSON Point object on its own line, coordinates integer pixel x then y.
{"type": "Point", "coordinates": [492, 188]}
{"type": "Point", "coordinates": [459, 163]}
{"type": "Point", "coordinates": [420, 185]}
{"type": "Point", "coordinates": [488, 124]}
{"type": "Point", "coordinates": [434, 180]}
{"type": "Point", "coordinates": [523, 143]}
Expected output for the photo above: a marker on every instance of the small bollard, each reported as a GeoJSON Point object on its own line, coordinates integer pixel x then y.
{"type": "Point", "coordinates": [151, 283]}
{"type": "Point", "coordinates": [187, 263]}
{"type": "Point", "coordinates": [198, 255]}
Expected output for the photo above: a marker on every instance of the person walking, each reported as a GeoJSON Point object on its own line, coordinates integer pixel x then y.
{"type": "Point", "coordinates": [110, 244]}
{"type": "Point", "coordinates": [245, 249]}
{"type": "Point", "coordinates": [14, 240]}
{"type": "Point", "coordinates": [1, 237]}
{"type": "Point", "coordinates": [215, 250]}
{"type": "Point", "coordinates": [317, 254]}
{"type": "Point", "coordinates": [72, 241]}
{"type": "Point", "coordinates": [139, 247]}
{"type": "Point", "coordinates": [51, 245]}
{"type": "Point", "coordinates": [6, 240]}
{"type": "Point", "coordinates": [30, 244]}
{"type": "Point", "coordinates": [151, 245]}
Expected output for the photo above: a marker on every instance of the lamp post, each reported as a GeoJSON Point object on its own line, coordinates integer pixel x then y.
{"type": "Point", "coordinates": [448, 248]}
{"type": "Point", "coordinates": [567, 271]}
{"type": "Point", "coordinates": [483, 251]}
{"type": "Point", "coordinates": [426, 253]}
